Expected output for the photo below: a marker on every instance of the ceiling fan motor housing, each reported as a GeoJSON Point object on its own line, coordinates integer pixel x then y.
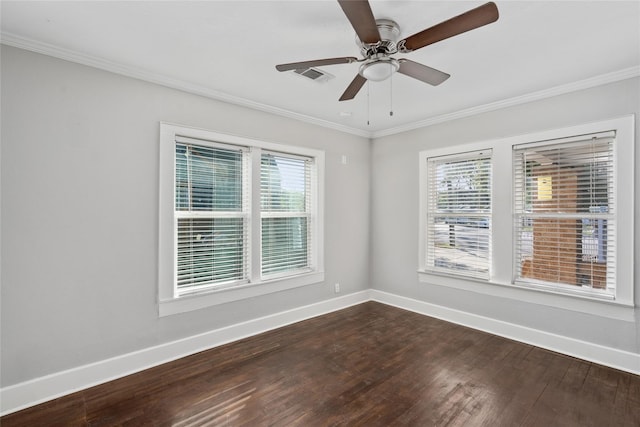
{"type": "Point", "coordinates": [389, 32]}
{"type": "Point", "coordinates": [379, 65]}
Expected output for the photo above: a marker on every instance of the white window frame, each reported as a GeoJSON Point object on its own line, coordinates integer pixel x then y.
{"type": "Point", "coordinates": [169, 300]}
{"type": "Point", "coordinates": [611, 217]}
{"type": "Point", "coordinates": [432, 212]}
{"type": "Point", "coordinates": [243, 213]}
{"type": "Point", "coordinates": [307, 213]}
{"type": "Point", "coordinates": [501, 283]}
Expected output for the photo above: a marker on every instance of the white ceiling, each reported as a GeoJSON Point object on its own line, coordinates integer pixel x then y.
{"type": "Point", "coordinates": [228, 50]}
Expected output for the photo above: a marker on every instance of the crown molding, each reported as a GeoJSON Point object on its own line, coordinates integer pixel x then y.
{"type": "Point", "coordinates": [114, 67]}
{"type": "Point", "coordinates": [140, 74]}
{"type": "Point", "coordinates": [615, 76]}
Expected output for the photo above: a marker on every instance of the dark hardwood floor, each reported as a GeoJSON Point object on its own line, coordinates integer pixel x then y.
{"type": "Point", "coordinates": [369, 365]}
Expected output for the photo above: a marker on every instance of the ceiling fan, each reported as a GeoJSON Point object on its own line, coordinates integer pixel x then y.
{"type": "Point", "coordinates": [377, 40]}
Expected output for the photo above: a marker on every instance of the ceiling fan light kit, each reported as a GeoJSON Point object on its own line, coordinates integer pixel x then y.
{"type": "Point", "coordinates": [379, 69]}
{"type": "Point", "coordinates": [378, 41]}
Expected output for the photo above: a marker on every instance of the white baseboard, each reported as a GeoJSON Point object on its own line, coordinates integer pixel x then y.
{"type": "Point", "coordinates": [618, 359]}
{"type": "Point", "coordinates": [39, 390]}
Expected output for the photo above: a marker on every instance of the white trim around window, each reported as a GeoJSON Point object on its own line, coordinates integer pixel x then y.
{"type": "Point", "coordinates": [501, 282]}
{"type": "Point", "coordinates": [176, 297]}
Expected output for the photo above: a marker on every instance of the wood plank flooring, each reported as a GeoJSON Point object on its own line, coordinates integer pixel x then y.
{"type": "Point", "coordinates": [368, 365]}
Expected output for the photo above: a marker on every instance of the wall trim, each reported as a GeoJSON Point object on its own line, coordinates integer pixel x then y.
{"type": "Point", "coordinates": [40, 390]}
{"type": "Point", "coordinates": [162, 80]}
{"type": "Point", "coordinates": [140, 74]}
{"type": "Point", "coordinates": [600, 80]}
{"type": "Point", "coordinates": [614, 358]}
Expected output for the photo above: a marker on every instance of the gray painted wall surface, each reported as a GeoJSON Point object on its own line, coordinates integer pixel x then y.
{"type": "Point", "coordinates": [395, 202]}
{"type": "Point", "coordinates": [80, 213]}
{"type": "Point", "coordinates": [79, 177]}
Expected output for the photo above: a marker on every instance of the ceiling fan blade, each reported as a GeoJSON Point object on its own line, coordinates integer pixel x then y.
{"type": "Point", "coordinates": [361, 17]}
{"type": "Point", "coordinates": [353, 88]}
{"type": "Point", "coordinates": [481, 15]}
{"type": "Point", "coordinates": [316, 63]}
{"type": "Point", "coordinates": [422, 72]}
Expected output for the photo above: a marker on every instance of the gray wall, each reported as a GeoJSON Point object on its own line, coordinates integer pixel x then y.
{"type": "Point", "coordinates": [80, 213]}
{"type": "Point", "coordinates": [79, 177]}
{"type": "Point", "coordinates": [394, 220]}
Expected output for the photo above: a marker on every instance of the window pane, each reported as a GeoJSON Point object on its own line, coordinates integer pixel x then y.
{"type": "Point", "coordinates": [284, 184]}
{"type": "Point", "coordinates": [284, 244]}
{"type": "Point", "coordinates": [210, 251]}
{"type": "Point", "coordinates": [461, 244]}
{"type": "Point", "coordinates": [208, 179]}
{"type": "Point", "coordinates": [463, 186]}
{"type": "Point", "coordinates": [566, 179]}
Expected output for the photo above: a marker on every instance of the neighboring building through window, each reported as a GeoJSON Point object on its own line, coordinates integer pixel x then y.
{"type": "Point", "coordinates": [565, 213]}
{"type": "Point", "coordinates": [238, 218]}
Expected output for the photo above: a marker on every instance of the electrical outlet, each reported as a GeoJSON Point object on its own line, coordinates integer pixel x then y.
{"type": "Point", "coordinates": [336, 288]}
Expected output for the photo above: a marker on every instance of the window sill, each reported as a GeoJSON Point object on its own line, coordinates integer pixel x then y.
{"type": "Point", "coordinates": [215, 297]}
{"type": "Point", "coordinates": [608, 308]}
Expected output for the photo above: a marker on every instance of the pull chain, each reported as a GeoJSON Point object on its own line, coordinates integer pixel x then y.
{"type": "Point", "coordinates": [368, 104]}
{"type": "Point", "coordinates": [391, 90]}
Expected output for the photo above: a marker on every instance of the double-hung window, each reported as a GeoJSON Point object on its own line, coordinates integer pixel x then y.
{"type": "Point", "coordinates": [458, 214]}
{"type": "Point", "coordinates": [286, 206]}
{"type": "Point", "coordinates": [238, 218]}
{"type": "Point", "coordinates": [211, 215]}
{"type": "Point", "coordinates": [565, 220]}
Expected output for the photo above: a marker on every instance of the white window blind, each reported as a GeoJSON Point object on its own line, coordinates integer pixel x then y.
{"type": "Point", "coordinates": [238, 218]}
{"type": "Point", "coordinates": [211, 215]}
{"type": "Point", "coordinates": [565, 228]}
{"type": "Point", "coordinates": [459, 214]}
{"type": "Point", "coordinates": [285, 199]}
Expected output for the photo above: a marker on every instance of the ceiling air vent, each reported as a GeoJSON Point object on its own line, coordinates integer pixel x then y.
{"type": "Point", "coordinates": [314, 74]}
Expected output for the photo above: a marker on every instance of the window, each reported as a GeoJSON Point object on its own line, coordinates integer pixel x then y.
{"type": "Point", "coordinates": [459, 214]}
{"type": "Point", "coordinates": [564, 209]}
{"type": "Point", "coordinates": [211, 215]}
{"type": "Point", "coordinates": [238, 218]}
{"type": "Point", "coordinates": [545, 217]}
{"type": "Point", "coordinates": [285, 189]}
